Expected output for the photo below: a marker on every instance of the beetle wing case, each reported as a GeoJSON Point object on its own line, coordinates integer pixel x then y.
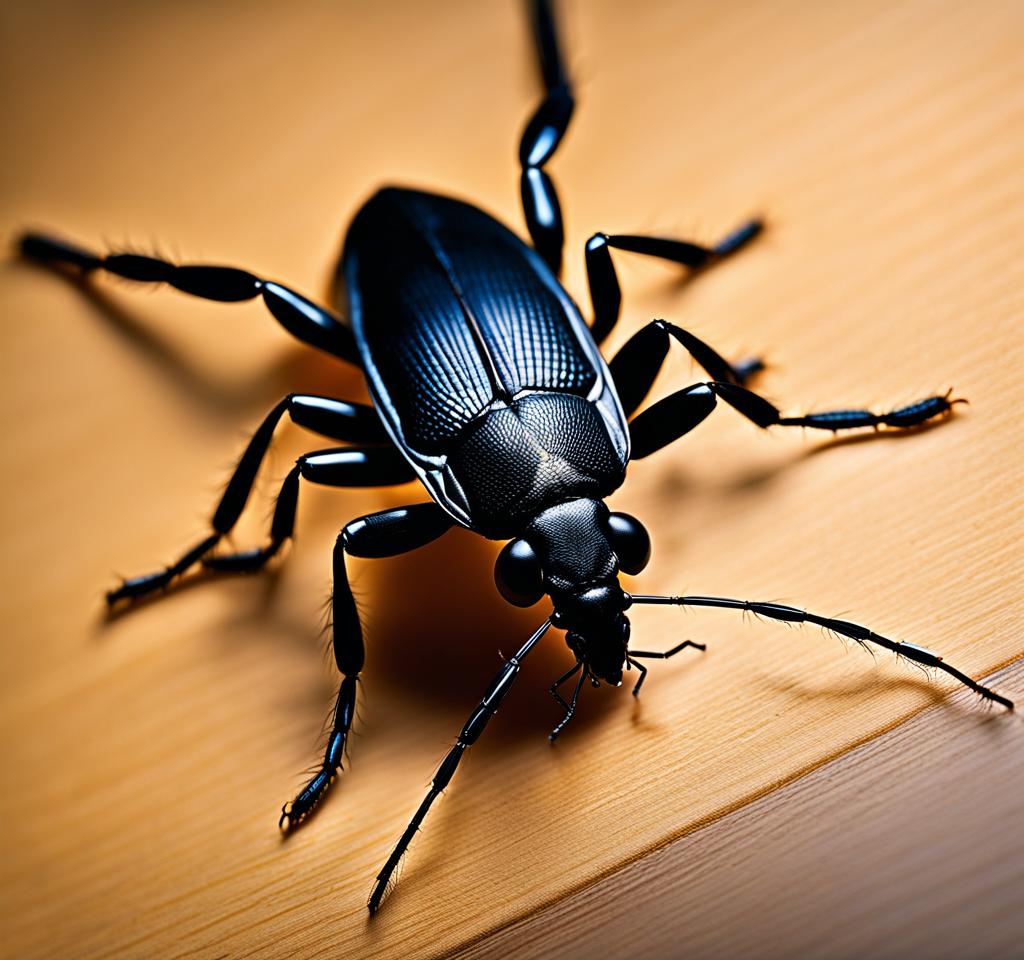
{"type": "Point", "coordinates": [479, 363]}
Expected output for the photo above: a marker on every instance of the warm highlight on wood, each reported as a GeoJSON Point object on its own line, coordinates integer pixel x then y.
{"type": "Point", "coordinates": [879, 853]}
{"type": "Point", "coordinates": [145, 759]}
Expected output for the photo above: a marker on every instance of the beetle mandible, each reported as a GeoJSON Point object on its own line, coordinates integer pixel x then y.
{"type": "Point", "coordinates": [489, 387]}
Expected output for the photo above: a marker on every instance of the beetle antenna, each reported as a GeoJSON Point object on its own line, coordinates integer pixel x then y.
{"type": "Point", "coordinates": [474, 726]}
{"type": "Point", "coordinates": [844, 628]}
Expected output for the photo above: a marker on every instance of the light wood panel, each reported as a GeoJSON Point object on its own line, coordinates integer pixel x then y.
{"type": "Point", "coordinates": [907, 846]}
{"type": "Point", "coordinates": [145, 759]}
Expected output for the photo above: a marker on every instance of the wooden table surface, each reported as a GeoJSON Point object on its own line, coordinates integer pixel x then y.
{"type": "Point", "coordinates": [145, 758]}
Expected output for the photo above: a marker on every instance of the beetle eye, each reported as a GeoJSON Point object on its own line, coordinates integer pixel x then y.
{"type": "Point", "coordinates": [630, 541]}
{"type": "Point", "coordinates": [518, 575]}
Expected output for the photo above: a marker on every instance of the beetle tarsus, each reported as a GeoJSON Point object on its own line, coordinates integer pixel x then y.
{"type": "Point", "coordinates": [739, 237]}
{"type": "Point", "coordinates": [135, 588]}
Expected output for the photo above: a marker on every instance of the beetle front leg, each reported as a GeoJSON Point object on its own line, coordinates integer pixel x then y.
{"type": "Point", "coordinates": [656, 655]}
{"type": "Point", "coordinates": [385, 534]}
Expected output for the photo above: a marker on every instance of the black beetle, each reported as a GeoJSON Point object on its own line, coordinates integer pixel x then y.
{"type": "Point", "coordinates": [490, 388]}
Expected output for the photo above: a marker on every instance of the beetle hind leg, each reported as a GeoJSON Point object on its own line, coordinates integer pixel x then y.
{"type": "Point", "coordinates": [301, 317]}
{"type": "Point", "coordinates": [541, 138]}
{"type": "Point", "coordinates": [636, 366]}
{"type": "Point", "coordinates": [605, 291]}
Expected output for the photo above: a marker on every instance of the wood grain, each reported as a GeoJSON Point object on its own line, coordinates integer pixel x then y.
{"type": "Point", "coordinates": [145, 759]}
{"type": "Point", "coordinates": [907, 846]}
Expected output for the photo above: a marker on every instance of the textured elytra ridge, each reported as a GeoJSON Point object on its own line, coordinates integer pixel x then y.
{"type": "Point", "coordinates": [455, 310]}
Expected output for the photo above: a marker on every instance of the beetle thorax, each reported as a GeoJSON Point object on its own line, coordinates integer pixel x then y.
{"type": "Point", "coordinates": [517, 459]}
{"type": "Point", "coordinates": [573, 547]}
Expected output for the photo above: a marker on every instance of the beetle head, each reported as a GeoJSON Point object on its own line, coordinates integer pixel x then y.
{"type": "Point", "coordinates": [574, 552]}
{"type": "Point", "coordinates": [596, 629]}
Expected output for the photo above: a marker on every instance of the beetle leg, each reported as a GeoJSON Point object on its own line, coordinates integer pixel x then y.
{"type": "Point", "coordinates": [643, 674]}
{"type": "Point", "coordinates": [570, 709]}
{"type": "Point", "coordinates": [332, 418]}
{"type": "Point", "coordinates": [474, 726]}
{"type": "Point", "coordinates": [636, 366]}
{"type": "Point", "coordinates": [667, 420]}
{"type": "Point", "coordinates": [844, 628]}
{"type": "Point", "coordinates": [302, 318]}
{"type": "Point", "coordinates": [553, 689]}
{"type": "Point", "coordinates": [676, 415]}
{"type": "Point", "coordinates": [541, 138]}
{"type": "Point", "coordinates": [657, 655]}
{"type": "Point", "coordinates": [342, 467]}
{"type": "Point", "coordinates": [605, 292]}
{"type": "Point", "coordinates": [384, 534]}
{"type": "Point", "coordinates": [758, 410]}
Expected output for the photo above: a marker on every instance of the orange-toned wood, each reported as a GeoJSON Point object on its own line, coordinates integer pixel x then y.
{"type": "Point", "coordinates": [145, 759]}
{"type": "Point", "coordinates": [907, 846]}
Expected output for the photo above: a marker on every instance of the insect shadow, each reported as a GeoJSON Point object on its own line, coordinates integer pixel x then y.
{"type": "Point", "coordinates": [293, 367]}
{"type": "Point", "coordinates": [449, 632]}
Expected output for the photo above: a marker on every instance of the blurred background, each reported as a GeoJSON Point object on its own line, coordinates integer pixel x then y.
{"type": "Point", "coordinates": [145, 757]}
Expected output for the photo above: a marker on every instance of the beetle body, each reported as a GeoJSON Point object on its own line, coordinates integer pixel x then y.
{"type": "Point", "coordinates": [488, 381]}
{"type": "Point", "coordinates": [479, 362]}
{"type": "Point", "coordinates": [490, 388]}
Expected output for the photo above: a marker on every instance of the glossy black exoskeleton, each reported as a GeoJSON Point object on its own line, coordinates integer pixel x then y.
{"type": "Point", "coordinates": [488, 386]}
